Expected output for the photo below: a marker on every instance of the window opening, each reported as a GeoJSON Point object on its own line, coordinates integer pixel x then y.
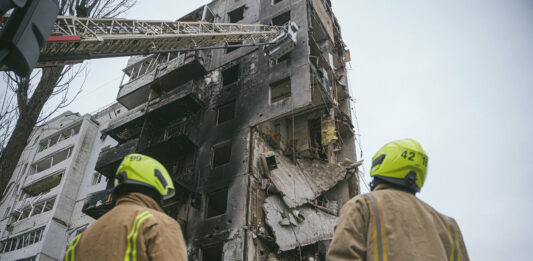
{"type": "Point", "coordinates": [43, 185]}
{"type": "Point", "coordinates": [236, 15]}
{"type": "Point", "coordinates": [282, 19]}
{"type": "Point", "coordinates": [221, 154]}
{"type": "Point", "coordinates": [97, 178]}
{"type": "Point", "coordinates": [226, 112]}
{"type": "Point", "coordinates": [52, 160]}
{"type": "Point", "coordinates": [22, 240]}
{"type": "Point", "coordinates": [230, 75]}
{"type": "Point", "coordinates": [213, 252]}
{"type": "Point", "coordinates": [29, 211]}
{"type": "Point", "coordinates": [280, 90]}
{"type": "Point", "coordinates": [285, 57]}
{"type": "Point", "coordinates": [315, 139]}
{"type": "Point", "coordinates": [277, 1]}
{"type": "Point", "coordinates": [231, 49]}
{"type": "Point", "coordinates": [58, 137]}
{"type": "Point", "coordinates": [217, 202]}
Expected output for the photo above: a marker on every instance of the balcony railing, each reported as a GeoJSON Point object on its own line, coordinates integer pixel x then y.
{"type": "Point", "coordinates": [160, 71]}
{"type": "Point", "coordinates": [98, 203]}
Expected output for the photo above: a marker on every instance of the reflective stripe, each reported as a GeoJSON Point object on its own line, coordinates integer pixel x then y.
{"type": "Point", "coordinates": [131, 250]}
{"type": "Point", "coordinates": [457, 255]}
{"type": "Point", "coordinates": [380, 250]}
{"type": "Point", "coordinates": [69, 255]}
{"type": "Point", "coordinates": [454, 239]}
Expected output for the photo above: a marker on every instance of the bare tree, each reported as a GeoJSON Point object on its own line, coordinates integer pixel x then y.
{"type": "Point", "coordinates": [22, 103]}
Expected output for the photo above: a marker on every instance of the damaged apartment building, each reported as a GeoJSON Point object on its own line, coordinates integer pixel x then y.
{"type": "Point", "coordinates": [261, 149]}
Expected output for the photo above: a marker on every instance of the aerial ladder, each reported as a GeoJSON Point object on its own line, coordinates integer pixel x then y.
{"type": "Point", "coordinates": [75, 39]}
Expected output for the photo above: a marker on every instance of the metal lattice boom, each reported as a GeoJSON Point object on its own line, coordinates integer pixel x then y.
{"type": "Point", "coordinates": [75, 39]}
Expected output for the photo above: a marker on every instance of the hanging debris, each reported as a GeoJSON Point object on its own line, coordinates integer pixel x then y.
{"type": "Point", "coordinates": [302, 182]}
{"type": "Point", "coordinates": [300, 227]}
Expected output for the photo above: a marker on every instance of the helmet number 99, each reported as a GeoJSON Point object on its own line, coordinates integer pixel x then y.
{"type": "Point", "coordinates": [135, 158]}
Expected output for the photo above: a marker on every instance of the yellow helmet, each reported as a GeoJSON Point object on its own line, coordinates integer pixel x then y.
{"type": "Point", "coordinates": [141, 170]}
{"type": "Point", "coordinates": [401, 162]}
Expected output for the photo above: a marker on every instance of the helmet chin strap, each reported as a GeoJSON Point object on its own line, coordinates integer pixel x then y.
{"type": "Point", "coordinates": [373, 184]}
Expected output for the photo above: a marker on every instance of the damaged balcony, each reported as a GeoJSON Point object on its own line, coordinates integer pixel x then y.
{"type": "Point", "coordinates": [159, 125]}
{"type": "Point", "coordinates": [159, 71]}
{"type": "Point", "coordinates": [182, 100]}
{"type": "Point", "coordinates": [162, 143]}
{"type": "Point", "coordinates": [110, 158]}
{"type": "Point", "coordinates": [98, 203]}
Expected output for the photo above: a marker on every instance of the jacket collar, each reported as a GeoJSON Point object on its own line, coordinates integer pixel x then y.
{"type": "Point", "coordinates": [384, 186]}
{"type": "Point", "coordinates": [140, 200]}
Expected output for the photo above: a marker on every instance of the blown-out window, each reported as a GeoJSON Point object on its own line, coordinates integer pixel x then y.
{"type": "Point", "coordinates": [280, 90]}
{"type": "Point", "coordinates": [62, 135]}
{"type": "Point", "coordinates": [217, 202]}
{"type": "Point", "coordinates": [22, 240]}
{"type": "Point", "coordinates": [221, 154]}
{"type": "Point", "coordinates": [51, 160]}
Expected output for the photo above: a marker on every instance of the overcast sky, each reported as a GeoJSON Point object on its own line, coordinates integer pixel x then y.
{"type": "Point", "coordinates": [455, 75]}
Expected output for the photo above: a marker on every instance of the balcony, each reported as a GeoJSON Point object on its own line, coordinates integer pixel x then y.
{"type": "Point", "coordinates": [127, 127]}
{"type": "Point", "coordinates": [160, 142]}
{"type": "Point", "coordinates": [109, 159]}
{"type": "Point", "coordinates": [184, 99]}
{"type": "Point", "coordinates": [98, 203]}
{"type": "Point", "coordinates": [160, 72]}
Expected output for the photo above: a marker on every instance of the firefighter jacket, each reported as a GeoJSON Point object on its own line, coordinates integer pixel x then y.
{"type": "Point", "coordinates": [135, 229]}
{"type": "Point", "coordinates": [392, 224]}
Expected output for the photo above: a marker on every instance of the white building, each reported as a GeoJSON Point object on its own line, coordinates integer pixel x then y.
{"type": "Point", "coordinates": [41, 208]}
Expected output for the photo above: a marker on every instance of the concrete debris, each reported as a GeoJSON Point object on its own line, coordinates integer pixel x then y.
{"type": "Point", "coordinates": [302, 182]}
{"type": "Point", "coordinates": [349, 165]}
{"type": "Point", "coordinates": [314, 225]}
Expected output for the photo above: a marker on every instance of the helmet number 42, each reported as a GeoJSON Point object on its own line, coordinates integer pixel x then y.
{"type": "Point", "coordinates": [410, 156]}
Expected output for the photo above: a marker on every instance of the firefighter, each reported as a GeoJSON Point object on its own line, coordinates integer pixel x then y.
{"type": "Point", "coordinates": [390, 223]}
{"type": "Point", "coordinates": [136, 228]}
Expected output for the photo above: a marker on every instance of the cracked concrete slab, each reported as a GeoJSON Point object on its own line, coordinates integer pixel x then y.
{"type": "Point", "coordinates": [304, 181]}
{"type": "Point", "coordinates": [310, 227]}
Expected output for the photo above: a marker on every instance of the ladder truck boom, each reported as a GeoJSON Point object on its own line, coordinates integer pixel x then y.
{"type": "Point", "coordinates": [75, 39]}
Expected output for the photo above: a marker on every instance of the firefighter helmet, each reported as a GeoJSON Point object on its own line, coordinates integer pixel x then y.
{"type": "Point", "coordinates": [141, 170]}
{"type": "Point", "coordinates": [401, 162]}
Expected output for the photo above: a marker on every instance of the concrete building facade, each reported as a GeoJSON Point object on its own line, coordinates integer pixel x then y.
{"type": "Point", "coordinates": [40, 198]}
{"type": "Point", "coordinates": [261, 150]}
{"type": "Point", "coordinates": [42, 205]}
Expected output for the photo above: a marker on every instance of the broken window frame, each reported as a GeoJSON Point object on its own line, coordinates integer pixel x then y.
{"type": "Point", "coordinates": [22, 240]}
{"type": "Point", "coordinates": [228, 108]}
{"type": "Point", "coordinates": [219, 194]}
{"type": "Point", "coordinates": [34, 166]}
{"type": "Point", "coordinates": [234, 71]}
{"type": "Point", "coordinates": [34, 209]}
{"type": "Point", "coordinates": [97, 178]}
{"type": "Point", "coordinates": [214, 153]}
{"type": "Point", "coordinates": [283, 95]}
{"type": "Point", "coordinates": [58, 137]}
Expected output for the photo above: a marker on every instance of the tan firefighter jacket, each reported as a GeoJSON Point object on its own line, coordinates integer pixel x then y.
{"type": "Point", "coordinates": [391, 224]}
{"type": "Point", "coordinates": [135, 229]}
